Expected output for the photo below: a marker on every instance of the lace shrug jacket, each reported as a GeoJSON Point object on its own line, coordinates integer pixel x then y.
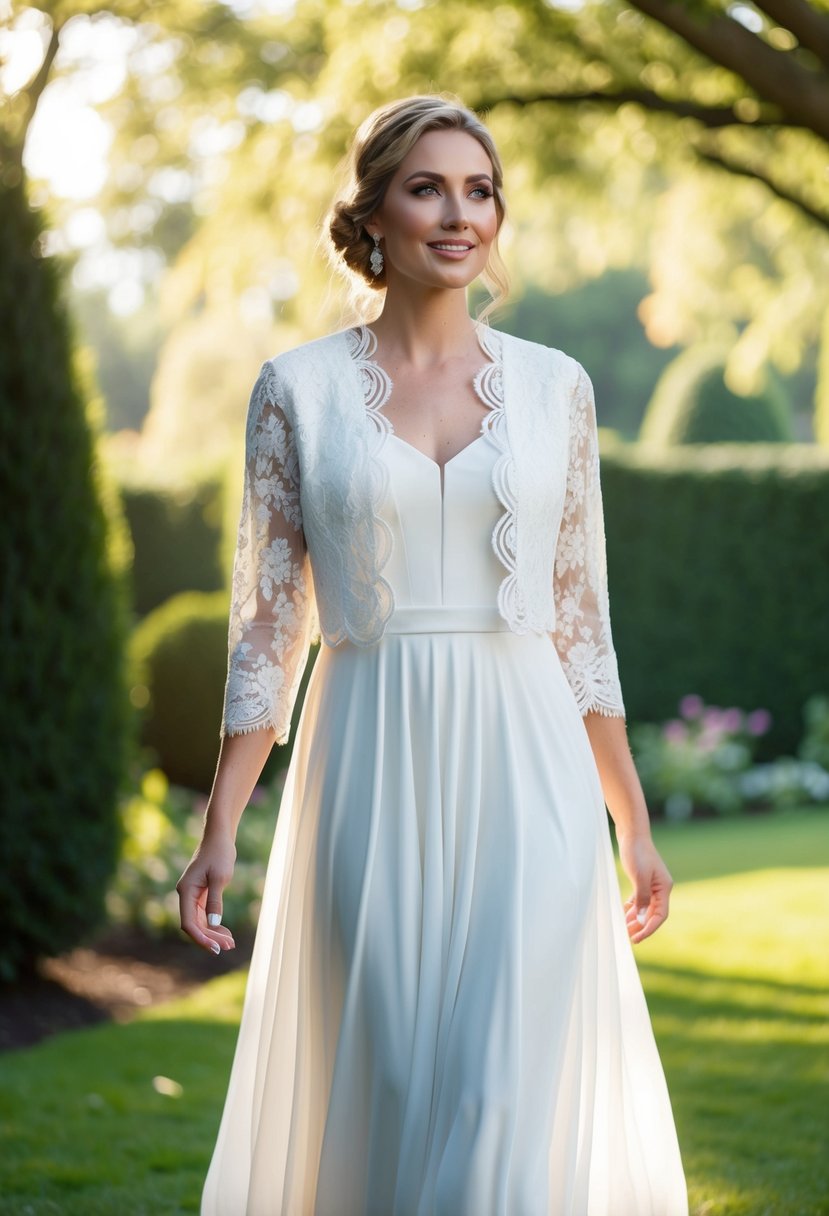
{"type": "Point", "coordinates": [311, 545]}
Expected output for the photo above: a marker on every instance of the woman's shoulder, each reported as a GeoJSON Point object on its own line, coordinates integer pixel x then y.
{"type": "Point", "coordinates": [308, 357]}
{"type": "Point", "coordinates": [542, 355]}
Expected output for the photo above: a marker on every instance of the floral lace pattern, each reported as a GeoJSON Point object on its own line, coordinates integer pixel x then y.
{"type": "Point", "coordinates": [582, 635]}
{"type": "Point", "coordinates": [273, 613]}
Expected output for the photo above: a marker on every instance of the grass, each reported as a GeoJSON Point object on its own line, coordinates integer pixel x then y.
{"type": "Point", "coordinates": [736, 984]}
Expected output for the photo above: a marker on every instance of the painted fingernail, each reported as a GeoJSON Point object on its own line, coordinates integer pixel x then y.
{"type": "Point", "coordinates": [214, 919]}
{"type": "Point", "coordinates": [642, 915]}
{"type": "Point", "coordinates": [215, 947]}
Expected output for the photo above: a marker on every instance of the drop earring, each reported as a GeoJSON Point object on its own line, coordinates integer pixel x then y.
{"type": "Point", "coordinates": [376, 259]}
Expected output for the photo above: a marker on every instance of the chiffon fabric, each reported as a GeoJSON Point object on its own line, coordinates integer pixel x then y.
{"type": "Point", "coordinates": [443, 1015]}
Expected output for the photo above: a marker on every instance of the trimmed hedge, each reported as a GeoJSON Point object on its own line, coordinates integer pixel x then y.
{"type": "Point", "coordinates": [692, 404]}
{"type": "Point", "coordinates": [179, 666]}
{"type": "Point", "coordinates": [63, 700]}
{"type": "Point", "coordinates": [718, 565]}
{"type": "Point", "coordinates": [177, 540]}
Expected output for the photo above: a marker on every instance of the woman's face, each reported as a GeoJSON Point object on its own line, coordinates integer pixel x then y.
{"type": "Point", "coordinates": [438, 218]}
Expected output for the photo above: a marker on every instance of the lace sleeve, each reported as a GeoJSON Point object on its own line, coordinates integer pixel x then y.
{"type": "Point", "coordinates": [272, 610]}
{"type": "Point", "coordinates": [582, 634]}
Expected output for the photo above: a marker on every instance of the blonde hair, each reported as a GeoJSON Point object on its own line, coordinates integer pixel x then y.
{"type": "Point", "coordinates": [378, 148]}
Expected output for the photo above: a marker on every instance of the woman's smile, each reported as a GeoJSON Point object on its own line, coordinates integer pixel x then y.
{"type": "Point", "coordinates": [451, 249]}
{"type": "Point", "coordinates": [443, 185]}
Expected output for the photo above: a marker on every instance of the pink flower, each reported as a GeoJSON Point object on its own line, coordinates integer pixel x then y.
{"type": "Point", "coordinates": [732, 720]}
{"type": "Point", "coordinates": [758, 722]}
{"type": "Point", "coordinates": [691, 706]}
{"type": "Point", "coordinates": [708, 740]}
{"type": "Point", "coordinates": [675, 731]}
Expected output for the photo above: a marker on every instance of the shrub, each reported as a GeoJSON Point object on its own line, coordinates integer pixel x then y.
{"type": "Point", "coordinates": [703, 761]}
{"type": "Point", "coordinates": [814, 745]}
{"type": "Point", "coordinates": [176, 534]}
{"type": "Point", "coordinates": [62, 699]}
{"type": "Point", "coordinates": [179, 664]}
{"type": "Point", "coordinates": [692, 404]}
{"type": "Point", "coordinates": [161, 826]}
{"type": "Point", "coordinates": [785, 783]}
{"type": "Point", "coordinates": [696, 760]}
{"type": "Point", "coordinates": [718, 569]}
{"type": "Point", "coordinates": [179, 667]}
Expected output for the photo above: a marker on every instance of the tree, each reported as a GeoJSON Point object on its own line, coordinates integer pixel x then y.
{"type": "Point", "coordinates": [775, 82]}
{"type": "Point", "coordinates": [628, 145]}
{"type": "Point", "coordinates": [62, 622]}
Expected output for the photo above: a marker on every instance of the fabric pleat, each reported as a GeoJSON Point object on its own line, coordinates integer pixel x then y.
{"type": "Point", "coordinates": [443, 1015]}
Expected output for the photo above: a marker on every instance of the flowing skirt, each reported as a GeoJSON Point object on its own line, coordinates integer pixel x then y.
{"type": "Point", "coordinates": [443, 1015]}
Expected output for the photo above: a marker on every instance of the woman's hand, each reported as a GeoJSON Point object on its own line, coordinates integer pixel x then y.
{"type": "Point", "coordinates": [647, 907]}
{"type": "Point", "coordinates": [200, 892]}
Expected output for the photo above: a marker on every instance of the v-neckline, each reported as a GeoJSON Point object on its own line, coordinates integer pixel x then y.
{"type": "Point", "coordinates": [441, 468]}
{"type": "Point", "coordinates": [384, 385]}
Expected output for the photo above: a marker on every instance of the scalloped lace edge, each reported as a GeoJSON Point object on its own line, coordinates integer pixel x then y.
{"type": "Point", "coordinates": [377, 386]}
{"type": "Point", "coordinates": [489, 387]}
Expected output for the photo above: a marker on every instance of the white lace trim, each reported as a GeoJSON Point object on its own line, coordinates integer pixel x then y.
{"type": "Point", "coordinates": [377, 386]}
{"type": "Point", "coordinates": [488, 384]}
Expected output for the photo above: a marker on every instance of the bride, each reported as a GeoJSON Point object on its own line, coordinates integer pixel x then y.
{"type": "Point", "coordinates": [443, 1013]}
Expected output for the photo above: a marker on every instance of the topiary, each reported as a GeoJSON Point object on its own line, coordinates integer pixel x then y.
{"type": "Point", "coordinates": [62, 620]}
{"type": "Point", "coordinates": [178, 659]}
{"type": "Point", "coordinates": [179, 665]}
{"type": "Point", "coordinates": [692, 404]}
{"type": "Point", "coordinates": [177, 536]}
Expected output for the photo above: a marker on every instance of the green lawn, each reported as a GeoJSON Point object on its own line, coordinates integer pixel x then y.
{"type": "Point", "coordinates": [736, 983]}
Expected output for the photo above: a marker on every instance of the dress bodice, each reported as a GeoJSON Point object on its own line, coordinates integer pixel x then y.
{"type": "Point", "coordinates": [442, 554]}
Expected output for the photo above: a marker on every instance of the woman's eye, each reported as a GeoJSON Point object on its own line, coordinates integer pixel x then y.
{"type": "Point", "coordinates": [481, 191]}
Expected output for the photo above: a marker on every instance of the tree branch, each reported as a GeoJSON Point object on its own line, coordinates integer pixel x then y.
{"type": "Point", "coordinates": [722, 161]}
{"type": "Point", "coordinates": [801, 94]}
{"type": "Point", "coordinates": [31, 95]}
{"type": "Point", "coordinates": [713, 117]}
{"type": "Point", "coordinates": [810, 28]}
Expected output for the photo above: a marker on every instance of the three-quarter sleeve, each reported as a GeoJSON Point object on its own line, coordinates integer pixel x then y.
{"type": "Point", "coordinates": [582, 633]}
{"type": "Point", "coordinates": [273, 611]}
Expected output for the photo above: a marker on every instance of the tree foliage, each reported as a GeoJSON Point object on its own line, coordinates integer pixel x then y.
{"type": "Point", "coordinates": [685, 138]}
{"type": "Point", "coordinates": [62, 621]}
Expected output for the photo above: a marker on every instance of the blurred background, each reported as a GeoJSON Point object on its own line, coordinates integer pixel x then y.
{"type": "Point", "coordinates": [165, 171]}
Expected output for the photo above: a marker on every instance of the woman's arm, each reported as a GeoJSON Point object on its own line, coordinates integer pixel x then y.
{"type": "Point", "coordinates": [241, 760]}
{"type": "Point", "coordinates": [272, 620]}
{"type": "Point", "coordinates": [647, 907]}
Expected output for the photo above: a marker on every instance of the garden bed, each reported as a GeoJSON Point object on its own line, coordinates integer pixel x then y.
{"type": "Point", "coordinates": [110, 979]}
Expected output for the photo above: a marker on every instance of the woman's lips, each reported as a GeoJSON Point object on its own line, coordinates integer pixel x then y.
{"type": "Point", "coordinates": [451, 249]}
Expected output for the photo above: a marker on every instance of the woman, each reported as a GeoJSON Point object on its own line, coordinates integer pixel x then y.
{"type": "Point", "coordinates": [443, 1014]}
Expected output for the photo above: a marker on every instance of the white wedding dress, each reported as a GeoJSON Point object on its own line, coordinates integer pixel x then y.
{"type": "Point", "coordinates": [443, 1015]}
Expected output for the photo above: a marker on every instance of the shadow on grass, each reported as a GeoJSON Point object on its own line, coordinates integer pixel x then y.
{"type": "Point", "coordinates": [692, 980]}
{"type": "Point", "coordinates": [746, 1066]}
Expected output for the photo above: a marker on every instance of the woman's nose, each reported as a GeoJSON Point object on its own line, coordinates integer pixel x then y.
{"type": "Point", "coordinates": [454, 214]}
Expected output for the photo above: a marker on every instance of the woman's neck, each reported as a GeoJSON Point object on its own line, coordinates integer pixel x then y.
{"type": "Point", "coordinates": [423, 330]}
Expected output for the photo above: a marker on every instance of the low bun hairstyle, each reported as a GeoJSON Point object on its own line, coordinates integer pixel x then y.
{"type": "Point", "coordinates": [380, 144]}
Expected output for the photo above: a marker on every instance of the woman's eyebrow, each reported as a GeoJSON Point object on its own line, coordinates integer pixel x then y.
{"type": "Point", "coordinates": [438, 177]}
